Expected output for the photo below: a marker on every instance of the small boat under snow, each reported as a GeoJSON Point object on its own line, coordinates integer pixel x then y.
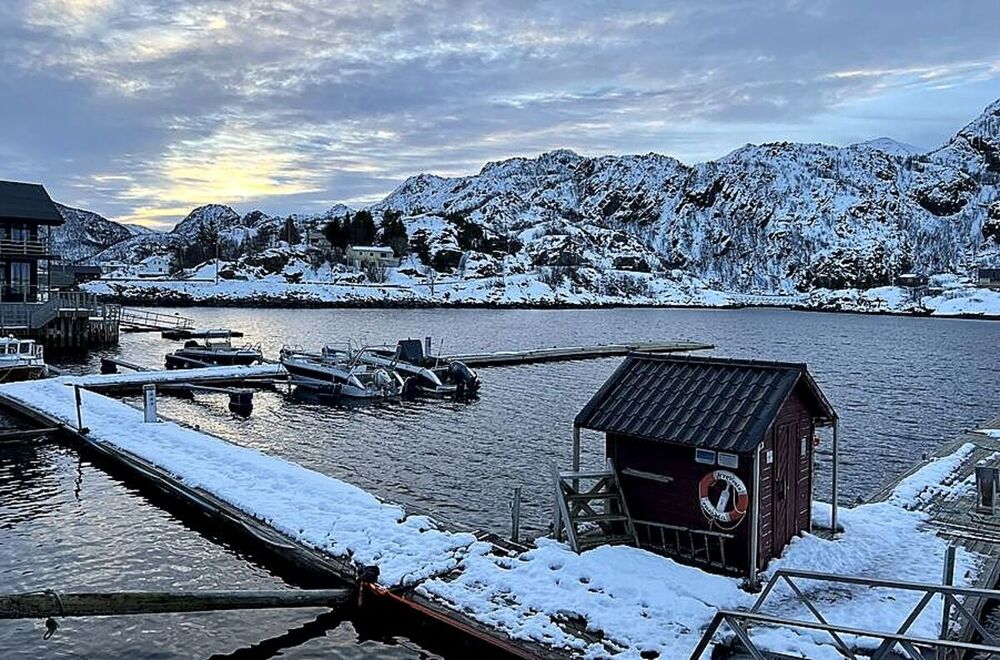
{"type": "Point", "coordinates": [215, 351]}
{"type": "Point", "coordinates": [423, 374]}
{"type": "Point", "coordinates": [339, 372]}
{"type": "Point", "coordinates": [21, 359]}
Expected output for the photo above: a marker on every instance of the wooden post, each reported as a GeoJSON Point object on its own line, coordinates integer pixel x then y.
{"type": "Point", "coordinates": [947, 579]}
{"type": "Point", "coordinates": [833, 497]}
{"type": "Point", "coordinates": [79, 408]}
{"type": "Point", "coordinates": [576, 456]}
{"type": "Point", "coordinates": [51, 604]}
{"type": "Point", "coordinates": [515, 515]}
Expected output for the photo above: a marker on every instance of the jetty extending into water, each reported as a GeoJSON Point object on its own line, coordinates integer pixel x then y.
{"type": "Point", "coordinates": [569, 353]}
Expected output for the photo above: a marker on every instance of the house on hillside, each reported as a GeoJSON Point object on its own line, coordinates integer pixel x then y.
{"type": "Point", "coordinates": [361, 256]}
{"type": "Point", "coordinates": [988, 276]}
{"type": "Point", "coordinates": [316, 239]}
{"type": "Point", "coordinates": [155, 265]}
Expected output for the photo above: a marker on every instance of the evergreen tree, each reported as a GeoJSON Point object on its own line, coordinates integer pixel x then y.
{"type": "Point", "coordinates": [362, 228]}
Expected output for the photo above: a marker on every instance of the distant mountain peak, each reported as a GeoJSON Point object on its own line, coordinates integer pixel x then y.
{"type": "Point", "coordinates": [890, 146]}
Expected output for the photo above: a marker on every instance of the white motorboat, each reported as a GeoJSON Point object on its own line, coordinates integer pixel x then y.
{"type": "Point", "coordinates": [339, 372]}
{"type": "Point", "coordinates": [21, 359]}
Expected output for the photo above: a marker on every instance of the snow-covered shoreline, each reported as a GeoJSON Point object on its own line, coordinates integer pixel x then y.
{"type": "Point", "coordinates": [521, 293]}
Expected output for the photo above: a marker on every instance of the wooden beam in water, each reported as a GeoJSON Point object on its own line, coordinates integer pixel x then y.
{"type": "Point", "coordinates": [52, 604]}
{"type": "Point", "coordinates": [26, 434]}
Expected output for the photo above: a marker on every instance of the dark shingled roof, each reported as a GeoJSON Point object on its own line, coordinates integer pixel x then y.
{"type": "Point", "coordinates": [714, 403]}
{"type": "Point", "coordinates": [27, 202]}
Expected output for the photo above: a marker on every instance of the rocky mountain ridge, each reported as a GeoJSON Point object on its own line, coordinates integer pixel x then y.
{"type": "Point", "coordinates": [778, 217]}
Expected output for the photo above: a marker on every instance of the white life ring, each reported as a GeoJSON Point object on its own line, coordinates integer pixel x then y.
{"type": "Point", "coordinates": [732, 502]}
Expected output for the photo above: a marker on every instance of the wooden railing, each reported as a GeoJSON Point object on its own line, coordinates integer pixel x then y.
{"type": "Point", "coordinates": [30, 315]}
{"type": "Point", "coordinates": [25, 248]}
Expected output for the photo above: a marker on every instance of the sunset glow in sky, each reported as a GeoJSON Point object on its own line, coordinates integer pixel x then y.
{"type": "Point", "coordinates": [141, 110]}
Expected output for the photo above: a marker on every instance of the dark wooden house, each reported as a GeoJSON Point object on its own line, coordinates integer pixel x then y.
{"type": "Point", "coordinates": [712, 457]}
{"type": "Point", "coordinates": [27, 215]}
{"type": "Point", "coordinates": [31, 304]}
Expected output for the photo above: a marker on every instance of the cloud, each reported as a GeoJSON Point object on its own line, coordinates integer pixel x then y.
{"type": "Point", "coordinates": [141, 108]}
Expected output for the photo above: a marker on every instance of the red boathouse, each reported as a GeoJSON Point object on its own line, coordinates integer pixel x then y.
{"type": "Point", "coordinates": [711, 458]}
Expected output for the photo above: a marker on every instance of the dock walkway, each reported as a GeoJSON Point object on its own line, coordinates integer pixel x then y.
{"type": "Point", "coordinates": [568, 353]}
{"type": "Point", "coordinates": [238, 375]}
{"type": "Point", "coordinates": [544, 601]}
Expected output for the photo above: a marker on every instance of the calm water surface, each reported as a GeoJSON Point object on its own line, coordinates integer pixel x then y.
{"type": "Point", "coordinates": [901, 385]}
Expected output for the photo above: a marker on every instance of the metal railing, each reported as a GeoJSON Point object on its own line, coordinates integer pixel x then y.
{"type": "Point", "coordinates": [739, 621]}
{"type": "Point", "coordinates": [142, 318]}
{"type": "Point", "coordinates": [30, 315]}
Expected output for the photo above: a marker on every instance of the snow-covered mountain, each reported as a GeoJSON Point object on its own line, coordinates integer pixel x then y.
{"type": "Point", "coordinates": [778, 217]}
{"type": "Point", "coordinates": [84, 234]}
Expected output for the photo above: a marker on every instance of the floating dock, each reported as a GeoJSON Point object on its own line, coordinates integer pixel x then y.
{"type": "Point", "coordinates": [260, 374]}
{"type": "Point", "coordinates": [193, 333]}
{"type": "Point", "coordinates": [569, 353]}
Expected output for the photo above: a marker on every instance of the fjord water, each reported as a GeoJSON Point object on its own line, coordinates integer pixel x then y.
{"type": "Point", "coordinates": [901, 385]}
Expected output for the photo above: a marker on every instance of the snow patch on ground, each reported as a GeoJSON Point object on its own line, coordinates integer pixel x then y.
{"type": "Point", "coordinates": [636, 601]}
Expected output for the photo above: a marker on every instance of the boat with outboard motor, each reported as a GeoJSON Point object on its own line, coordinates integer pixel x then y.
{"type": "Point", "coordinates": [340, 372]}
{"type": "Point", "coordinates": [21, 359]}
{"type": "Point", "coordinates": [214, 351]}
{"type": "Point", "coordinates": [423, 374]}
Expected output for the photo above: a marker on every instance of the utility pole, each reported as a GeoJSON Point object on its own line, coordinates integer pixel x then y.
{"type": "Point", "coordinates": [216, 261]}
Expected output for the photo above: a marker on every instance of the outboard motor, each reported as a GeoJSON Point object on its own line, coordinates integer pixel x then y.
{"type": "Point", "coordinates": [388, 382]}
{"type": "Point", "coordinates": [464, 377]}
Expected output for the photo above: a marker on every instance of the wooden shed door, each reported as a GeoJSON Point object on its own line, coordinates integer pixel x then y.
{"type": "Point", "coordinates": [782, 497]}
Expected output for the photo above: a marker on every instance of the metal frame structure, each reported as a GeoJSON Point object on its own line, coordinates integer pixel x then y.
{"type": "Point", "coordinates": [739, 621]}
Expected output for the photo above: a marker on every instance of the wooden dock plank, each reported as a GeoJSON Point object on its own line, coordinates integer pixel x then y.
{"type": "Point", "coordinates": [952, 510]}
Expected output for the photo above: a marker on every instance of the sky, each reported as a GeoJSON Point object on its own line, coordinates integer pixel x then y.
{"type": "Point", "coordinates": [142, 110]}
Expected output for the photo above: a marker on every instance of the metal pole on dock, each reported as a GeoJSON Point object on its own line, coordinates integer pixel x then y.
{"type": "Point", "coordinates": [947, 579]}
{"type": "Point", "coordinates": [833, 497]}
{"type": "Point", "coordinates": [515, 515]}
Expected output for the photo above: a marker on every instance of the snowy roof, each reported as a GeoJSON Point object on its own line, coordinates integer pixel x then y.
{"type": "Point", "coordinates": [372, 248]}
{"type": "Point", "coordinates": [27, 201]}
{"type": "Point", "coordinates": [153, 257]}
{"type": "Point", "coordinates": [706, 402]}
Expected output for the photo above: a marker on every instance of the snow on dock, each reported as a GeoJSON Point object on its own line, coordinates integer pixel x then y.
{"type": "Point", "coordinates": [200, 375]}
{"type": "Point", "coordinates": [314, 509]}
{"type": "Point", "coordinates": [611, 600]}
{"type": "Point", "coordinates": [631, 601]}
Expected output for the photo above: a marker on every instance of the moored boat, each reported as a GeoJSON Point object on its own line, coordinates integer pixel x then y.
{"type": "Point", "coordinates": [21, 359]}
{"type": "Point", "coordinates": [423, 374]}
{"type": "Point", "coordinates": [215, 351]}
{"type": "Point", "coordinates": [339, 372]}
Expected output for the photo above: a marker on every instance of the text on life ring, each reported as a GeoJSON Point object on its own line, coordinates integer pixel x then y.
{"type": "Point", "coordinates": [723, 497]}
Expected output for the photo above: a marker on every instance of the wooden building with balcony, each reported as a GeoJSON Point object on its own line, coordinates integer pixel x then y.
{"type": "Point", "coordinates": [30, 307]}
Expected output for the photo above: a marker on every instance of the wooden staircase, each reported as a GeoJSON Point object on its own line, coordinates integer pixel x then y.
{"type": "Point", "coordinates": [591, 509]}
